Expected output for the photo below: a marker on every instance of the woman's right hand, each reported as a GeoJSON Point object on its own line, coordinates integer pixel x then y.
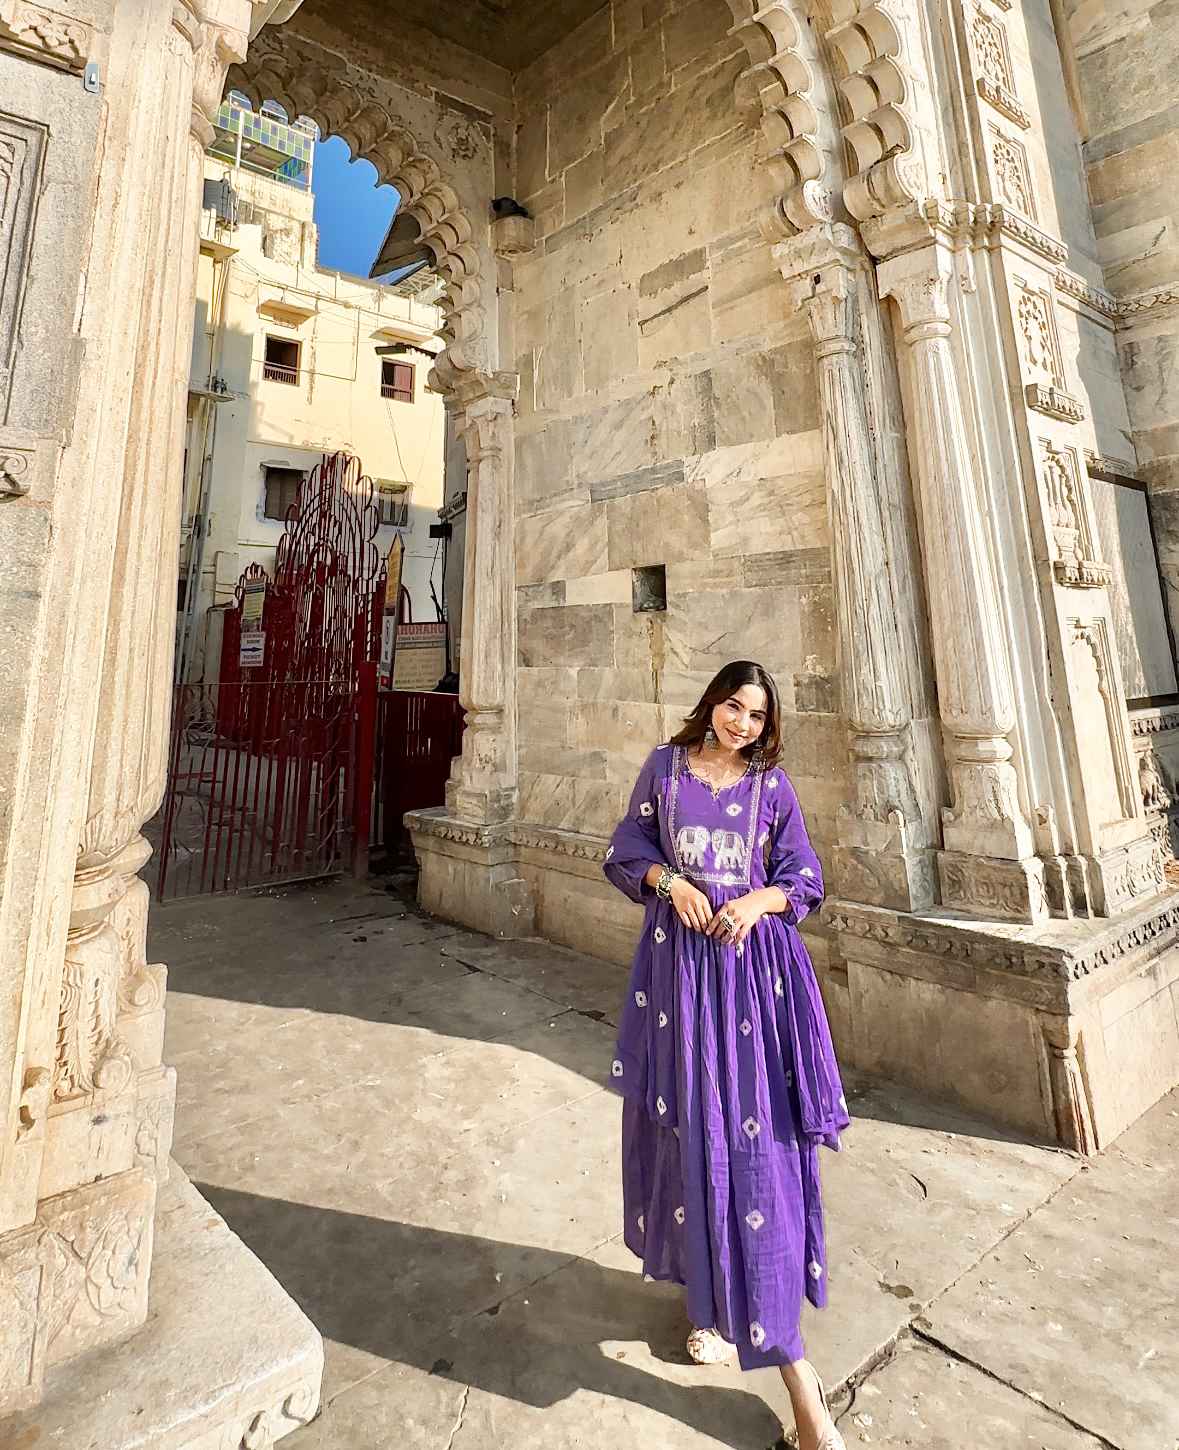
{"type": "Point", "coordinates": [691, 904]}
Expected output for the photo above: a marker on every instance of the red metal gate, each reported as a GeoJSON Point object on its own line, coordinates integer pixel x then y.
{"type": "Point", "coordinates": [418, 735]}
{"type": "Point", "coordinates": [271, 770]}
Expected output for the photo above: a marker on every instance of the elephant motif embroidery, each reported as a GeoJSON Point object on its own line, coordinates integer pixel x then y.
{"type": "Point", "coordinates": [728, 850]}
{"type": "Point", "coordinates": [692, 843]}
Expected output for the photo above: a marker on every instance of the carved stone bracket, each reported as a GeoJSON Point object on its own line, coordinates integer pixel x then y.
{"type": "Point", "coordinates": [63, 41]}
{"type": "Point", "coordinates": [14, 473]}
{"type": "Point", "coordinates": [880, 92]}
{"type": "Point", "coordinates": [787, 82]}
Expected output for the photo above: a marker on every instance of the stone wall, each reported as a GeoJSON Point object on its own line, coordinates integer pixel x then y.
{"type": "Point", "coordinates": [667, 416]}
{"type": "Point", "coordinates": [1125, 60]}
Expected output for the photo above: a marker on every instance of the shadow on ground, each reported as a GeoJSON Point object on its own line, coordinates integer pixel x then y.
{"type": "Point", "coordinates": [387, 1288]}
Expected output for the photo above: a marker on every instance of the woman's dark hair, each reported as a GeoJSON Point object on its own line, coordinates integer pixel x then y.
{"type": "Point", "coordinates": [768, 745]}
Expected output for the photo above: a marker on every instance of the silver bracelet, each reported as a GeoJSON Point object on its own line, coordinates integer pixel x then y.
{"type": "Point", "coordinates": [663, 886]}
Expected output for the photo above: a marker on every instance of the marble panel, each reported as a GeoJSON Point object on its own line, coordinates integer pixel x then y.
{"type": "Point", "coordinates": [616, 439]}
{"type": "Point", "coordinates": [561, 544]}
{"type": "Point", "coordinates": [639, 480]}
{"type": "Point", "coordinates": [625, 730]}
{"type": "Point", "coordinates": [648, 64]}
{"type": "Point", "coordinates": [609, 342]}
{"type": "Point", "coordinates": [584, 185]}
{"type": "Point", "coordinates": [707, 630]}
{"type": "Point", "coordinates": [748, 294]}
{"type": "Point", "coordinates": [744, 400]}
{"type": "Point", "coordinates": [612, 588]}
{"type": "Point", "coordinates": [544, 477]}
{"type": "Point", "coordinates": [792, 453]}
{"type": "Point", "coordinates": [657, 135]}
{"type": "Point", "coordinates": [655, 528]}
{"type": "Point", "coordinates": [532, 153]}
{"type": "Point", "coordinates": [690, 576]}
{"type": "Point", "coordinates": [542, 596]}
{"type": "Point", "coordinates": [675, 330]}
{"type": "Point", "coordinates": [616, 684]}
{"type": "Point", "coordinates": [639, 639]}
{"type": "Point", "coordinates": [686, 416]}
{"type": "Point", "coordinates": [558, 357]}
{"type": "Point", "coordinates": [694, 30]}
{"type": "Point", "coordinates": [789, 566]}
{"type": "Point", "coordinates": [541, 759]}
{"type": "Point", "coordinates": [794, 384]}
{"type": "Point", "coordinates": [579, 634]}
{"type": "Point", "coordinates": [768, 515]}
{"type": "Point", "coordinates": [579, 111]}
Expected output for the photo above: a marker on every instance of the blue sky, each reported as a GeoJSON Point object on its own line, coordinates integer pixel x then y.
{"type": "Point", "coordinates": [351, 211]}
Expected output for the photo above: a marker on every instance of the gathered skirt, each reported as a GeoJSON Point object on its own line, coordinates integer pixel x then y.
{"type": "Point", "coordinates": [721, 1190]}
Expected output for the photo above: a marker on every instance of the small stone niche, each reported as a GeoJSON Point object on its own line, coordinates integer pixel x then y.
{"type": "Point", "coordinates": [649, 589]}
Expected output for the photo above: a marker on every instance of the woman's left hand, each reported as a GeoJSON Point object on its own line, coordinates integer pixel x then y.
{"type": "Point", "coordinates": [733, 922]}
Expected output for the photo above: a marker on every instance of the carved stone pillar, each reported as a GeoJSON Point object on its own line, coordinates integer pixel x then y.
{"type": "Point", "coordinates": [482, 788]}
{"type": "Point", "coordinates": [988, 863]}
{"type": "Point", "coordinates": [115, 106]}
{"type": "Point", "coordinates": [882, 856]}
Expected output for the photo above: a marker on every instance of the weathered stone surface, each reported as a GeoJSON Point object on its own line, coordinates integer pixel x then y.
{"type": "Point", "coordinates": [543, 468]}
{"type": "Point", "coordinates": [561, 544]}
{"type": "Point", "coordinates": [614, 440]}
{"type": "Point", "coordinates": [580, 634]}
{"type": "Point", "coordinates": [199, 1375]}
{"type": "Point", "coordinates": [923, 1397]}
{"type": "Point", "coordinates": [770, 514]}
{"type": "Point", "coordinates": [657, 527]}
{"type": "Point", "coordinates": [1094, 1267]}
{"type": "Point", "coordinates": [706, 630]}
{"type": "Point", "coordinates": [640, 480]}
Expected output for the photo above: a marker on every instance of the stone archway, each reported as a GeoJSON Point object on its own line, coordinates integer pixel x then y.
{"type": "Point", "coordinates": [440, 164]}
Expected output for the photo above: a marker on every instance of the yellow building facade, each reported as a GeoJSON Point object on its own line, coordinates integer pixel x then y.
{"type": "Point", "coordinates": [291, 361]}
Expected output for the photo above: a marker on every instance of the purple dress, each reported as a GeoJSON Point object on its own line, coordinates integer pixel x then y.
{"type": "Point", "coordinates": [724, 1060]}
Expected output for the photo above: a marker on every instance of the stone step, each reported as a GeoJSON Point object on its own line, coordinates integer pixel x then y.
{"type": "Point", "coordinates": [225, 1358]}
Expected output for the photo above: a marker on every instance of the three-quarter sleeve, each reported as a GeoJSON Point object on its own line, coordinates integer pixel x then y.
{"type": "Point", "coordinates": [635, 845]}
{"type": "Point", "coordinates": [793, 865]}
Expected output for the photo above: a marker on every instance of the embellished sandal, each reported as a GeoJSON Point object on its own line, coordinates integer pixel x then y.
{"type": "Point", "coordinates": [706, 1346]}
{"type": "Point", "coordinates": [831, 1438]}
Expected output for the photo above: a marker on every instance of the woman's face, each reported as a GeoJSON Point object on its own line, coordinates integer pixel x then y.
{"type": "Point", "coordinates": [739, 720]}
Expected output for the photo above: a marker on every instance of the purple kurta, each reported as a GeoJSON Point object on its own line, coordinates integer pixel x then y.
{"type": "Point", "coordinates": [725, 1062]}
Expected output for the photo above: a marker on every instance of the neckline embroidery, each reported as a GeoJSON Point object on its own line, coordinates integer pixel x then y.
{"type": "Point", "coordinates": [715, 791]}
{"type": "Point", "coordinates": [730, 877]}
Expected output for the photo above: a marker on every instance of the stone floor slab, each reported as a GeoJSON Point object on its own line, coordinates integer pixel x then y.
{"type": "Point", "coordinates": [923, 1399]}
{"type": "Point", "coordinates": [413, 1134]}
{"type": "Point", "coordinates": [1080, 1305]}
{"type": "Point", "coordinates": [585, 983]}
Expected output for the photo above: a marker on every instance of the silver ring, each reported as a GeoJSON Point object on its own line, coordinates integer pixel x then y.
{"type": "Point", "coordinates": [729, 922]}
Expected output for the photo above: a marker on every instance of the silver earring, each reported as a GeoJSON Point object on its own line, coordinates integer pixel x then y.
{"type": "Point", "coordinates": [710, 737]}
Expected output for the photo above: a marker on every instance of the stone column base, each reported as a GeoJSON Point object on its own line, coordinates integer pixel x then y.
{"type": "Point", "coordinates": [879, 862]}
{"type": "Point", "coordinates": [1066, 1031]}
{"type": "Point", "coordinates": [199, 1375]}
{"type": "Point", "coordinates": [1009, 890]}
{"type": "Point", "coordinates": [468, 874]}
{"type": "Point", "coordinates": [520, 880]}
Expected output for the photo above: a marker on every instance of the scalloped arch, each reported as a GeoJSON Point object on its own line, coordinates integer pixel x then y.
{"type": "Point", "coordinates": [373, 132]}
{"type": "Point", "coordinates": [797, 111]}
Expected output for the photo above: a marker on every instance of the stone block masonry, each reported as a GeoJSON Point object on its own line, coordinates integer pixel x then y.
{"type": "Point", "coordinates": [668, 415]}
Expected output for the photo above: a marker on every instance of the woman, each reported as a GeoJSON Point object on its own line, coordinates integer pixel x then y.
{"type": "Point", "coordinates": [724, 1056]}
